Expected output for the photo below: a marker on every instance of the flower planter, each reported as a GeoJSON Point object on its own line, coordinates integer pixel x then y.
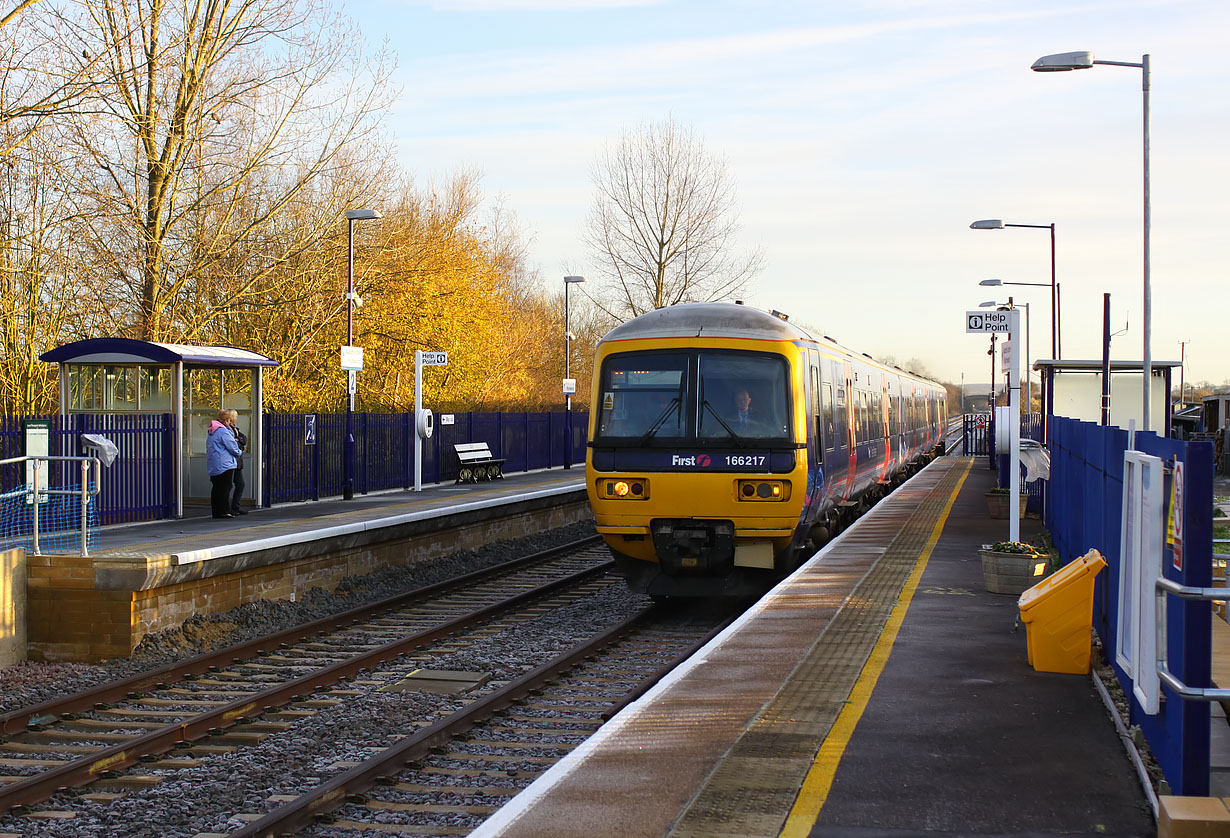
{"type": "Point", "coordinates": [997, 504]}
{"type": "Point", "coordinates": [1012, 573]}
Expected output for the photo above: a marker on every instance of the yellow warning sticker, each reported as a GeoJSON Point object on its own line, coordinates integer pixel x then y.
{"type": "Point", "coordinates": [608, 401]}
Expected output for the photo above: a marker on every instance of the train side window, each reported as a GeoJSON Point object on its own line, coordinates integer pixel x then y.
{"type": "Point", "coordinates": [826, 407]}
{"type": "Point", "coordinates": [814, 408]}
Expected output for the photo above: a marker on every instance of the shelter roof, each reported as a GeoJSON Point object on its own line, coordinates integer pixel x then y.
{"type": "Point", "coordinates": [128, 351]}
{"type": "Point", "coordinates": [1096, 365]}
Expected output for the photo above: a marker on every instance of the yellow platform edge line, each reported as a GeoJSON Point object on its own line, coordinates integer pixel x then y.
{"type": "Point", "coordinates": [819, 780]}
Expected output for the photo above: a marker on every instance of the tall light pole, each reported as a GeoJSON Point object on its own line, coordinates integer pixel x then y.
{"type": "Point", "coordinates": [998, 224]}
{"type": "Point", "coordinates": [1063, 61]}
{"type": "Point", "coordinates": [352, 300]}
{"type": "Point", "coordinates": [568, 282]}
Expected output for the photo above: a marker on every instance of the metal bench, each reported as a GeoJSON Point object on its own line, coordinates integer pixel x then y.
{"type": "Point", "coordinates": [476, 462]}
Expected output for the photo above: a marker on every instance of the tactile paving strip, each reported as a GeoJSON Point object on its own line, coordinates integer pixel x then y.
{"type": "Point", "coordinates": [752, 791]}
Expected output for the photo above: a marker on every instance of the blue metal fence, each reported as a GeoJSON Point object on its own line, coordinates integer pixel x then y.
{"type": "Point", "coordinates": [139, 486]}
{"type": "Point", "coordinates": [296, 470]}
{"type": "Point", "coordinates": [303, 453]}
{"type": "Point", "coordinates": [1085, 504]}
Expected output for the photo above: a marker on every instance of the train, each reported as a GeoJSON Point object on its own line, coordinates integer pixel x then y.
{"type": "Point", "coordinates": [726, 445]}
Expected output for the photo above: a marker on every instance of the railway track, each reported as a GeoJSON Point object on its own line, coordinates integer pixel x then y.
{"type": "Point", "coordinates": [220, 702]}
{"type": "Point", "coordinates": [447, 778]}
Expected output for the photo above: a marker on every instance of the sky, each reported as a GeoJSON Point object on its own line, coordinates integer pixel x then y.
{"type": "Point", "coordinates": [863, 139]}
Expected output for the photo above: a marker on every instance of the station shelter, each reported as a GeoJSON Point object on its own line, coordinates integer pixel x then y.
{"type": "Point", "coordinates": [192, 383]}
{"type": "Point", "coordinates": [1073, 389]}
{"type": "Point", "coordinates": [1215, 411]}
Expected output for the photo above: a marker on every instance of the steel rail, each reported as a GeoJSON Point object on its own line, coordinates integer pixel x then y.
{"type": "Point", "coordinates": [305, 809]}
{"type": "Point", "coordinates": [663, 671]}
{"type": "Point", "coordinates": [19, 720]}
{"type": "Point", "coordinates": [88, 768]}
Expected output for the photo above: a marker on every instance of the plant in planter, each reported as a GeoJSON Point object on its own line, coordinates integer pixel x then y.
{"type": "Point", "coordinates": [1013, 567]}
{"type": "Point", "coordinates": [997, 503]}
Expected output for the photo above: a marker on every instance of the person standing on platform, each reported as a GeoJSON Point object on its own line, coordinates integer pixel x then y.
{"type": "Point", "coordinates": [237, 480]}
{"type": "Point", "coordinates": [221, 456]}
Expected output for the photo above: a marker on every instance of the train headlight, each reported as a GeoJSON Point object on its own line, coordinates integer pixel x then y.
{"type": "Point", "coordinates": [628, 488]}
{"type": "Point", "coordinates": [763, 490]}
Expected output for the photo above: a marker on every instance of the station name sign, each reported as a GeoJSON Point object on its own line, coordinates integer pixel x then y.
{"type": "Point", "coordinates": [986, 322]}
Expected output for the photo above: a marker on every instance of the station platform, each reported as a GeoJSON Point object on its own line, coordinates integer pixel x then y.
{"type": "Point", "coordinates": [879, 691]}
{"type": "Point", "coordinates": [143, 578]}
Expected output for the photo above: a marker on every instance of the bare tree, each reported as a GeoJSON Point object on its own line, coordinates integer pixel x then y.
{"type": "Point", "coordinates": [216, 117]}
{"type": "Point", "coordinates": [41, 299]}
{"type": "Point", "coordinates": [663, 222]}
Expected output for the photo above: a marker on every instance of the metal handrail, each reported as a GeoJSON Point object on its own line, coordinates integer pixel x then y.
{"type": "Point", "coordinates": [1165, 586]}
{"type": "Point", "coordinates": [86, 491]}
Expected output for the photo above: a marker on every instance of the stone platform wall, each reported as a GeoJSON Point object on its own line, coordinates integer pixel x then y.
{"type": "Point", "coordinates": [98, 608]}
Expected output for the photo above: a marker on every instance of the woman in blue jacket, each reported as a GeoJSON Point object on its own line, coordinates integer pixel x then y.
{"type": "Point", "coordinates": [221, 457]}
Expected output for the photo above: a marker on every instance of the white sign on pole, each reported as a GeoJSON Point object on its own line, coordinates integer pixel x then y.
{"type": "Point", "coordinates": [1006, 354]}
{"type": "Point", "coordinates": [352, 357]}
{"type": "Point", "coordinates": [38, 444]}
{"type": "Point", "coordinates": [570, 386]}
{"type": "Point", "coordinates": [435, 359]}
{"type": "Point", "coordinates": [986, 322]}
{"type": "Point", "coordinates": [352, 386]}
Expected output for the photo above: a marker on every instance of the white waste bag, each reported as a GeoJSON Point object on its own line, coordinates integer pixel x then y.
{"type": "Point", "coordinates": [1036, 459]}
{"type": "Point", "coordinates": [101, 447]}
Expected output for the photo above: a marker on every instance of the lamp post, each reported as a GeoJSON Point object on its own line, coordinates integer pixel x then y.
{"type": "Point", "coordinates": [568, 282]}
{"type": "Point", "coordinates": [998, 224]}
{"type": "Point", "coordinates": [1060, 62]}
{"type": "Point", "coordinates": [1010, 304]}
{"type": "Point", "coordinates": [352, 301]}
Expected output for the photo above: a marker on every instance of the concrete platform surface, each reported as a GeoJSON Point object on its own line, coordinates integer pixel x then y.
{"type": "Point", "coordinates": [880, 691]}
{"type": "Point", "coordinates": [191, 539]}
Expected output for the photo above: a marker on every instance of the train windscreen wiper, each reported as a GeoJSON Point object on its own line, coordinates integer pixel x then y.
{"type": "Point", "coordinates": [661, 420]}
{"type": "Point", "coordinates": [738, 440]}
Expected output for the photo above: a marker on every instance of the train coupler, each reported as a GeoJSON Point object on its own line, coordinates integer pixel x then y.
{"type": "Point", "coordinates": [689, 546]}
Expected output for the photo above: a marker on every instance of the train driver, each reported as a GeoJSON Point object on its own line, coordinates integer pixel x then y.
{"type": "Point", "coordinates": [745, 418]}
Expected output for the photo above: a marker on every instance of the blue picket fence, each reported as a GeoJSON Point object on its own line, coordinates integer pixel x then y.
{"type": "Point", "coordinates": [299, 470]}
{"type": "Point", "coordinates": [139, 486]}
{"type": "Point", "coordinates": [1085, 504]}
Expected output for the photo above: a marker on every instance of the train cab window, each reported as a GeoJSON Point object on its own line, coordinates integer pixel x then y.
{"type": "Point", "coordinates": [643, 394]}
{"type": "Point", "coordinates": [742, 395]}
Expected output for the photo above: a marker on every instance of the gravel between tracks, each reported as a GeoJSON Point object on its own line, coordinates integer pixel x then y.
{"type": "Point", "coordinates": [291, 762]}
{"type": "Point", "coordinates": [28, 682]}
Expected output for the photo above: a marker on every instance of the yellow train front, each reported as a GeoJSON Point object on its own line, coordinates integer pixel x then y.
{"type": "Point", "coordinates": [726, 445]}
{"type": "Point", "coordinates": [697, 468]}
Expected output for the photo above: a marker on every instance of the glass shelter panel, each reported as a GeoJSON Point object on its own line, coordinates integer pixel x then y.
{"type": "Point", "coordinates": [206, 391]}
{"type": "Point", "coordinates": [156, 388]}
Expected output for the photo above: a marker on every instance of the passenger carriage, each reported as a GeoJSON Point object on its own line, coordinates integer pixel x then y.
{"type": "Point", "coordinates": [698, 497]}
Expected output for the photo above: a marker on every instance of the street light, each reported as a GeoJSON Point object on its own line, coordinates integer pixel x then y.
{"type": "Point", "coordinates": [1056, 334]}
{"type": "Point", "coordinates": [352, 302]}
{"type": "Point", "coordinates": [568, 281]}
{"type": "Point", "coordinates": [1063, 61]}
